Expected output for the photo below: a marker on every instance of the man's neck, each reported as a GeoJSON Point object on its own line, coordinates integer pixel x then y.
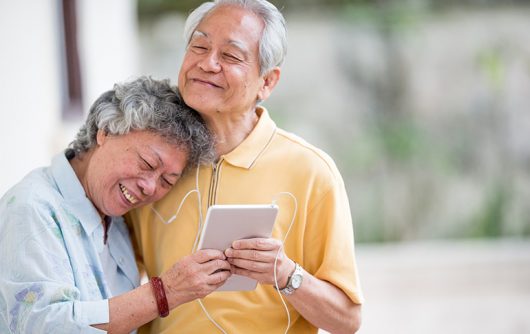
{"type": "Point", "coordinates": [229, 132]}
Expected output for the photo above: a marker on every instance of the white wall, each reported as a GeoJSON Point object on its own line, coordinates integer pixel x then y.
{"type": "Point", "coordinates": [109, 47]}
{"type": "Point", "coordinates": [31, 129]}
{"type": "Point", "coordinates": [30, 107]}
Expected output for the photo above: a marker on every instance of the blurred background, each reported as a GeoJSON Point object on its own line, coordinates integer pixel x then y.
{"type": "Point", "coordinates": [423, 104]}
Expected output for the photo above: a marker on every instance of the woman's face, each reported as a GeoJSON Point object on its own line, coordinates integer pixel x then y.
{"type": "Point", "coordinates": [132, 170]}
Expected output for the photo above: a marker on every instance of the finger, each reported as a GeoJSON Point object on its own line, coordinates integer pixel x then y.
{"type": "Point", "coordinates": [218, 278]}
{"type": "Point", "coordinates": [250, 254]}
{"type": "Point", "coordinates": [216, 265]}
{"type": "Point", "coordinates": [206, 255]}
{"type": "Point", "coordinates": [257, 267]}
{"type": "Point", "coordinates": [264, 244]}
{"type": "Point", "coordinates": [260, 277]}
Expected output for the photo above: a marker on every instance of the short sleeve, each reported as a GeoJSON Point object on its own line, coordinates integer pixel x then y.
{"type": "Point", "coordinates": [329, 241]}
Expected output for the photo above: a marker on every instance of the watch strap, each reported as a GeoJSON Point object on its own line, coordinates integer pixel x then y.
{"type": "Point", "coordinates": [289, 288]}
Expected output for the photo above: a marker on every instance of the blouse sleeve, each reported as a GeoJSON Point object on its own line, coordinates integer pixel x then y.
{"type": "Point", "coordinates": [38, 291]}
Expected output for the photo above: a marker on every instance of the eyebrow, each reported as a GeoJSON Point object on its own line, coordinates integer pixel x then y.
{"type": "Point", "coordinates": [237, 44]}
{"type": "Point", "coordinates": [199, 34]}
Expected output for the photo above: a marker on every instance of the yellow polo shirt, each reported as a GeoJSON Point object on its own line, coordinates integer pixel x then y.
{"type": "Point", "coordinates": [268, 162]}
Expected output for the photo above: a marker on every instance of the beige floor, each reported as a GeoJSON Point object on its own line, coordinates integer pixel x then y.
{"type": "Point", "coordinates": [463, 287]}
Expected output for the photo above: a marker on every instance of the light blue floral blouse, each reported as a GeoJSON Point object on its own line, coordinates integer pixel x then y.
{"type": "Point", "coordinates": [51, 276]}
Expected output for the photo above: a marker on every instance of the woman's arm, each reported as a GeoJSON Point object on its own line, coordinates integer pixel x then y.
{"type": "Point", "coordinates": [45, 288]}
{"type": "Point", "coordinates": [193, 277]}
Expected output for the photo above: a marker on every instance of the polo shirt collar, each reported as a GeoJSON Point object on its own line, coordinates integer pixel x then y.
{"type": "Point", "coordinates": [246, 153]}
{"type": "Point", "coordinates": [74, 194]}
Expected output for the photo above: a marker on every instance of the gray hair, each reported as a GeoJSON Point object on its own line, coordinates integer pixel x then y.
{"type": "Point", "coordinates": [273, 43]}
{"type": "Point", "coordinates": [151, 105]}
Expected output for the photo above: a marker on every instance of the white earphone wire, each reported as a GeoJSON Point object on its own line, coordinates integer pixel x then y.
{"type": "Point", "coordinates": [199, 200]}
{"type": "Point", "coordinates": [278, 254]}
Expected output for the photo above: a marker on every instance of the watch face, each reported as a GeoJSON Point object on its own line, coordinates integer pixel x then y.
{"type": "Point", "coordinates": [296, 281]}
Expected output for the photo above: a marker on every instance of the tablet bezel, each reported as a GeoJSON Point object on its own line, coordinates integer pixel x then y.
{"type": "Point", "coordinates": [226, 223]}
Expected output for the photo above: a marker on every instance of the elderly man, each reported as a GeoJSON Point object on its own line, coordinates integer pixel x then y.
{"type": "Point", "coordinates": [232, 63]}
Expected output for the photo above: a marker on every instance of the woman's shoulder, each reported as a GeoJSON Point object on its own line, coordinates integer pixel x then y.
{"type": "Point", "coordinates": [30, 202]}
{"type": "Point", "coordinates": [36, 188]}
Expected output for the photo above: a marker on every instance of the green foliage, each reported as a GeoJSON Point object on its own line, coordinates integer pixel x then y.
{"type": "Point", "coordinates": [490, 219]}
{"type": "Point", "coordinates": [400, 139]}
{"type": "Point", "coordinates": [371, 227]}
{"type": "Point", "coordinates": [394, 12]}
{"type": "Point", "coordinates": [150, 8]}
{"type": "Point", "coordinates": [404, 165]}
{"type": "Point", "coordinates": [385, 15]}
{"type": "Point", "coordinates": [491, 62]}
{"type": "Point", "coordinates": [153, 8]}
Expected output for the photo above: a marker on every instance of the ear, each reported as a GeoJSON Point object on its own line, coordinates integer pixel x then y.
{"type": "Point", "coordinates": [269, 82]}
{"type": "Point", "coordinates": [101, 137]}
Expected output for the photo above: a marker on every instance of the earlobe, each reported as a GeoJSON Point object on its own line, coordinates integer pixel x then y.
{"type": "Point", "coordinates": [269, 82]}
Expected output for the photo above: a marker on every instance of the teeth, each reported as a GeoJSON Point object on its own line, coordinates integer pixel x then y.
{"type": "Point", "coordinates": [128, 196]}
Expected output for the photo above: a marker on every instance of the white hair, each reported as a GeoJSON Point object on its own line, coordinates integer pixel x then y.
{"type": "Point", "coordinates": [151, 105]}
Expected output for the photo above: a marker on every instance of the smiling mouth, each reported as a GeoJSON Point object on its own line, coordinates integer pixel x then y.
{"type": "Point", "coordinates": [128, 196]}
{"type": "Point", "coordinates": [206, 83]}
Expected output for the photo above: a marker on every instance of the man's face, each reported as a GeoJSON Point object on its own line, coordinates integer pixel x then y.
{"type": "Point", "coordinates": [220, 70]}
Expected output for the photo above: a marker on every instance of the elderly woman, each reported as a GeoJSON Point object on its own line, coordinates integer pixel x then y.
{"type": "Point", "coordinates": [66, 261]}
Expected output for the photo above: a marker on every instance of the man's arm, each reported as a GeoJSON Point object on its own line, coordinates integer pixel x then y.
{"type": "Point", "coordinates": [318, 301]}
{"type": "Point", "coordinates": [325, 305]}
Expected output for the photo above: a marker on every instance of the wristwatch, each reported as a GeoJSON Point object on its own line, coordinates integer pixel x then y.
{"type": "Point", "coordinates": [294, 281]}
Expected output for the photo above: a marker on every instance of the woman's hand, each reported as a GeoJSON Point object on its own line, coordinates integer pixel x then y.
{"type": "Point", "coordinates": [195, 276]}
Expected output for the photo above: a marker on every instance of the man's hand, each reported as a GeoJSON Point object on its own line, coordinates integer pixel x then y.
{"type": "Point", "coordinates": [255, 258]}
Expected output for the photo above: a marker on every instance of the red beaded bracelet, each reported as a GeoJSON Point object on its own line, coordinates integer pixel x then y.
{"type": "Point", "coordinates": [160, 296]}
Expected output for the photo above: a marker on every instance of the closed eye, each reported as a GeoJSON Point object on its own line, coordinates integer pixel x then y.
{"type": "Point", "coordinates": [198, 49]}
{"type": "Point", "coordinates": [146, 164]}
{"type": "Point", "coordinates": [232, 57]}
{"type": "Point", "coordinates": [167, 183]}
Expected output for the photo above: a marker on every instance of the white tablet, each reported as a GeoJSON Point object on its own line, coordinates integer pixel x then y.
{"type": "Point", "coordinates": [227, 223]}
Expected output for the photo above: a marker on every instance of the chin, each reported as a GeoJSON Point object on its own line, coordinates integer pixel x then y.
{"type": "Point", "coordinates": [118, 212]}
{"type": "Point", "coordinates": [199, 101]}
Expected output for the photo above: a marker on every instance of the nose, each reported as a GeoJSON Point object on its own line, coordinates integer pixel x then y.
{"type": "Point", "coordinates": [147, 186]}
{"type": "Point", "coordinates": [210, 62]}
